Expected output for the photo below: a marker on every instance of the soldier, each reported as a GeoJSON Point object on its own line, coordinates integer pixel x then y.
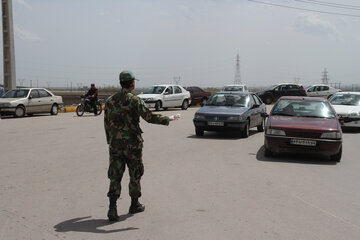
{"type": "Point", "coordinates": [123, 134]}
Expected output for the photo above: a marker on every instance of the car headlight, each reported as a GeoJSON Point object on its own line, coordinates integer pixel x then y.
{"type": "Point", "coordinates": [354, 114]}
{"type": "Point", "coordinates": [199, 116]}
{"type": "Point", "coordinates": [235, 118]}
{"type": "Point", "coordinates": [332, 135]}
{"type": "Point", "coordinates": [271, 131]}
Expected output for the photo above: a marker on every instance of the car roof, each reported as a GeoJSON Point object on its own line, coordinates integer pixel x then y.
{"type": "Point", "coordinates": [235, 85]}
{"type": "Point", "coordinates": [288, 84]}
{"type": "Point", "coordinates": [319, 99]}
{"type": "Point", "coordinates": [234, 92]}
{"type": "Point", "coordinates": [340, 93]}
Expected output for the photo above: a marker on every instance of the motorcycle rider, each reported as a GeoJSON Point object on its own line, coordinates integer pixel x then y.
{"type": "Point", "coordinates": [92, 94]}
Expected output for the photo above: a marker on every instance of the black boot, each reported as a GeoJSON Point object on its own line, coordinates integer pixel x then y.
{"type": "Point", "coordinates": [112, 213]}
{"type": "Point", "coordinates": [136, 206]}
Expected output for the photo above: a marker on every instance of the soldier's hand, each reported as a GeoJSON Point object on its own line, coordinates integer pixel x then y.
{"type": "Point", "coordinates": [174, 117]}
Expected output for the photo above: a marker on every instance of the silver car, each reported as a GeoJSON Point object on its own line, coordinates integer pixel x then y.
{"type": "Point", "coordinates": [19, 102]}
{"type": "Point", "coordinates": [321, 90]}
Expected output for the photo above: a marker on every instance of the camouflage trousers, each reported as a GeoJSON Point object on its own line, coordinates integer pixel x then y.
{"type": "Point", "coordinates": [131, 156]}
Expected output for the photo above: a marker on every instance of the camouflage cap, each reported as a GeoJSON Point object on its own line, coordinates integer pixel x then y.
{"type": "Point", "coordinates": [127, 76]}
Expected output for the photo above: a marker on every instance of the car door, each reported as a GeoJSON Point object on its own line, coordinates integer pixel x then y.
{"type": "Point", "coordinates": [34, 102]}
{"type": "Point", "coordinates": [325, 91]}
{"type": "Point", "coordinates": [169, 97]}
{"type": "Point", "coordinates": [179, 95]}
{"type": "Point", "coordinates": [256, 110]}
{"type": "Point", "coordinates": [46, 100]}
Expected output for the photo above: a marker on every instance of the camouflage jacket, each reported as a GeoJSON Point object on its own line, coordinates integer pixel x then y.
{"type": "Point", "coordinates": [122, 117]}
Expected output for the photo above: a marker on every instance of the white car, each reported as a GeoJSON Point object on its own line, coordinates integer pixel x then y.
{"type": "Point", "coordinates": [235, 88]}
{"type": "Point", "coordinates": [19, 102]}
{"type": "Point", "coordinates": [347, 107]}
{"type": "Point", "coordinates": [165, 96]}
{"type": "Point", "coordinates": [321, 90]}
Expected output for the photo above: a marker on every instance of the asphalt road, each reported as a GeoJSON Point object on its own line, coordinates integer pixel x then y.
{"type": "Point", "coordinates": [53, 185]}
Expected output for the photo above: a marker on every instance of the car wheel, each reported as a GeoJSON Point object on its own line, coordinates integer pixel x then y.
{"type": "Point", "coordinates": [268, 100]}
{"type": "Point", "coordinates": [157, 106]}
{"type": "Point", "coordinates": [199, 132]}
{"type": "Point", "coordinates": [245, 132]}
{"type": "Point", "coordinates": [20, 111]}
{"type": "Point", "coordinates": [260, 128]}
{"type": "Point", "coordinates": [80, 109]}
{"type": "Point", "coordinates": [337, 157]}
{"type": "Point", "coordinates": [54, 109]}
{"type": "Point", "coordinates": [268, 152]}
{"type": "Point", "coordinates": [185, 104]}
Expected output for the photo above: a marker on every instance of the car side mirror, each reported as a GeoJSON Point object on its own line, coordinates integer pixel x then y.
{"type": "Point", "coordinates": [264, 115]}
{"type": "Point", "coordinates": [255, 106]}
{"type": "Point", "coordinates": [30, 97]}
{"type": "Point", "coordinates": [166, 93]}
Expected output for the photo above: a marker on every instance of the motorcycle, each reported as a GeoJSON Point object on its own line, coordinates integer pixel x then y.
{"type": "Point", "coordinates": [85, 106]}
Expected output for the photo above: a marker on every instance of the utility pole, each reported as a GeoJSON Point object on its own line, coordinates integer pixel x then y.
{"type": "Point", "coordinates": [8, 45]}
{"type": "Point", "coordinates": [325, 79]}
{"type": "Point", "coordinates": [237, 78]}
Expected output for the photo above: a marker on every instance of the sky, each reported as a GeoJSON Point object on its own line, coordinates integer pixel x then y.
{"type": "Point", "coordinates": [63, 43]}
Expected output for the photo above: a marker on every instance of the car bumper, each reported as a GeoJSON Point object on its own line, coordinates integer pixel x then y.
{"type": "Point", "coordinates": [5, 110]}
{"type": "Point", "coordinates": [219, 126]}
{"type": "Point", "coordinates": [281, 144]}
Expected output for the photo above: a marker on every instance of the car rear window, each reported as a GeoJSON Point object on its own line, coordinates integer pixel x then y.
{"type": "Point", "coordinates": [303, 108]}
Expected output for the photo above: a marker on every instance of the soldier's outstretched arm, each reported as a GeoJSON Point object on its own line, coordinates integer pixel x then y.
{"type": "Point", "coordinates": [148, 115]}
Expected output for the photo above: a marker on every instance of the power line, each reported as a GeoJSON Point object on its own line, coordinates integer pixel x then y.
{"type": "Point", "coordinates": [329, 4]}
{"type": "Point", "coordinates": [304, 9]}
{"type": "Point", "coordinates": [335, 4]}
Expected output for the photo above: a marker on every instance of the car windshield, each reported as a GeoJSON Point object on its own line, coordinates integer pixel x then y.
{"type": "Point", "coordinates": [233, 88]}
{"type": "Point", "coordinates": [346, 99]}
{"type": "Point", "coordinates": [303, 108]}
{"type": "Point", "coordinates": [154, 90]}
{"type": "Point", "coordinates": [18, 93]}
{"type": "Point", "coordinates": [233, 100]}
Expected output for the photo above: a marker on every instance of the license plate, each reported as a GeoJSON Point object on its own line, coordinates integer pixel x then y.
{"type": "Point", "coordinates": [303, 142]}
{"type": "Point", "coordinates": [216, 123]}
{"type": "Point", "coordinates": [150, 105]}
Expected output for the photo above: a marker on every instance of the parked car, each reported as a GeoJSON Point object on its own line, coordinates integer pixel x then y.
{"type": "Point", "coordinates": [273, 93]}
{"type": "Point", "coordinates": [321, 90]}
{"type": "Point", "coordinates": [165, 96]}
{"type": "Point", "coordinates": [347, 107]}
{"type": "Point", "coordinates": [29, 101]}
{"type": "Point", "coordinates": [303, 125]}
{"type": "Point", "coordinates": [230, 111]}
{"type": "Point", "coordinates": [235, 88]}
{"type": "Point", "coordinates": [198, 95]}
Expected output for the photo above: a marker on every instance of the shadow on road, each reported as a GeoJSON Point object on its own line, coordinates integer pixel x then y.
{"type": "Point", "coordinates": [221, 135]}
{"type": "Point", "coordinates": [294, 158]}
{"type": "Point", "coordinates": [90, 225]}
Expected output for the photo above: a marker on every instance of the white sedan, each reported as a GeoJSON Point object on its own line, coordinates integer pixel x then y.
{"type": "Point", "coordinates": [321, 90]}
{"type": "Point", "coordinates": [165, 96]}
{"type": "Point", "coordinates": [347, 107]}
{"type": "Point", "coordinates": [19, 102]}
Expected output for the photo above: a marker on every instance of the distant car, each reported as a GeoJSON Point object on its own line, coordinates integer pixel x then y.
{"type": "Point", "coordinates": [19, 102]}
{"type": "Point", "coordinates": [347, 107]}
{"type": "Point", "coordinates": [321, 90]}
{"type": "Point", "coordinates": [303, 125]}
{"type": "Point", "coordinates": [273, 93]}
{"type": "Point", "coordinates": [235, 88]}
{"type": "Point", "coordinates": [165, 96]}
{"type": "Point", "coordinates": [230, 111]}
{"type": "Point", "coordinates": [198, 95]}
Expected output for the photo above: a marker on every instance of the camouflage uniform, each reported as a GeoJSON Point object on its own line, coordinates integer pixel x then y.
{"type": "Point", "coordinates": [123, 134]}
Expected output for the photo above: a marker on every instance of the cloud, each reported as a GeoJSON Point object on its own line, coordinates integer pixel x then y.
{"type": "Point", "coordinates": [26, 35]}
{"type": "Point", "coordinates": [24, 3]}
{"type": "Point", "coordinates": [312, 24]}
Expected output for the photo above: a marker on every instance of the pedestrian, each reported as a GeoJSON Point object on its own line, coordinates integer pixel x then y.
{"type": "Point", "coordinates": [123, 135]}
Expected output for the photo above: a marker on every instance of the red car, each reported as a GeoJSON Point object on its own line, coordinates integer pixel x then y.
{"type": "Point", "coordinates": [303, 125]}
{"type": "Point", "coordinates": [198, 95]}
